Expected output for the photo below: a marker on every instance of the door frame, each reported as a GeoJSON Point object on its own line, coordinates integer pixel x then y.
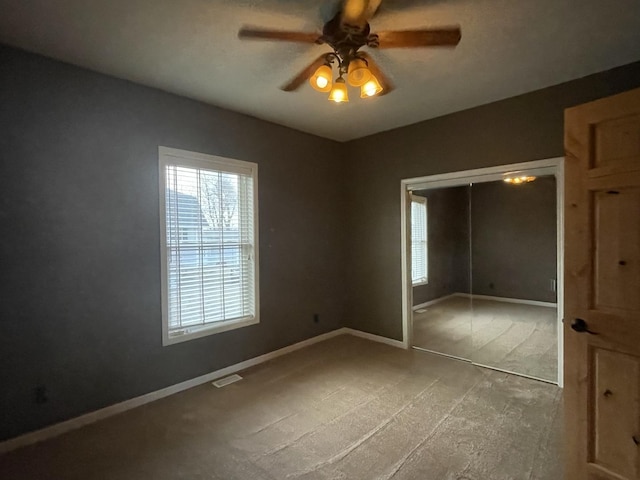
{"type": "Point", "coordinates": [550, 166]}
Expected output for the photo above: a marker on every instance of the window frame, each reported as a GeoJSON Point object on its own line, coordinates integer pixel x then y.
{"type": "Point", "coordinates": [421, 200]}
{"type": "Point", "coordinates": [171, 156]}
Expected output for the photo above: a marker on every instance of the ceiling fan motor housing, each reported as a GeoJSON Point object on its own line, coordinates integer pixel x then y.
{"type": "Point", "coordinates": [345, 43]}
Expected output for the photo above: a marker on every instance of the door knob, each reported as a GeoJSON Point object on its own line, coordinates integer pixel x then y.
{"type": "Point", "coordinates": [580, 326]}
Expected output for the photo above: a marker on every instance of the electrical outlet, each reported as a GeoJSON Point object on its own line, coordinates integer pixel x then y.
{"type": "Point", "coordinates": [553, 285]}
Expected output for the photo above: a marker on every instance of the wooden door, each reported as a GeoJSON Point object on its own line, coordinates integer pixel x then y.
{"type": "Point", "coordinates": [602, 289]}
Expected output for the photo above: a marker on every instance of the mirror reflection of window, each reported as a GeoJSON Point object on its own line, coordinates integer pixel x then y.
{"type": "Point", "coordinates": [419, 247]}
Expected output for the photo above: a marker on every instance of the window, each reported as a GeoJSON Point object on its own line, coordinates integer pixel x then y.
{"type": "Point", "coordinates": [419, 252]}
{"type": "Point", "coordinates": [208, 218]}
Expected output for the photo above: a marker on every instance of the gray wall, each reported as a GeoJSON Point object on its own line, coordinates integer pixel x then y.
{"type": "Point", "coordinates": [519, 129]}
{"type": "Point", "coordinates": [514, 239]}
{"type": "Point", "coordinates": [80, 245]}
{"type": "Point", "coordinates": [448, 243]}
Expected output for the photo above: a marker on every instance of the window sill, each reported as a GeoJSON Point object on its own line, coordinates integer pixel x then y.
{"type": "Point", "coordinates": [206, 330]}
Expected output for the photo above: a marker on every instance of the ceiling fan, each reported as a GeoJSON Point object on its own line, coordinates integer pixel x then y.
{"type": "Point", "coordinates": [346, 33]}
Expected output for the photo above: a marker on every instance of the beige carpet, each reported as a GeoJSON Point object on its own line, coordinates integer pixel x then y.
{"type": "Point", "coordinates": [346, 408]}
{"type": "Point", "coordinates": [510, 336]}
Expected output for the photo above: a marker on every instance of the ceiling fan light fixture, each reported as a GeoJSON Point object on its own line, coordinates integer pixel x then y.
{"type": "Point", "coordinates": [371, 88]}
{"type": "Point", "coordinates": [346, 34]}
{"type": "Point", "coordinates": [358, 72]}
{"type": "Point", "coordinates": [339, 91]}
{"type": "Point", "coordinates": [321, 79]}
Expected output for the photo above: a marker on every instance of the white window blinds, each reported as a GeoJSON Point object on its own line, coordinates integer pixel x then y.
{"type": "Point", "coordinates": [210, 244]}
{"type": "Point", "coordinates": [419, 252]}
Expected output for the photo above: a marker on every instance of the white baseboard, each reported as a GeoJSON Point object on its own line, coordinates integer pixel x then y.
{"type": "Point", "coordinates": [507, 300]}
{"type": "Point", "coordinates": [91, 417]}
{"type": "Point", "coordinates": [433, 302]}
{"type": "Point", "coordinates": [375, 338]}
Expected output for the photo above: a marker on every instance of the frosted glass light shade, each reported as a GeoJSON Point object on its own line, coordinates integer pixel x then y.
{"type": "Point", "coordinates": [339, 92]}
{"type": "Point", "coordinates": [371, 88]}
{"type": "Point", "coordinates": [321, 79]}
{"type": "Point", "coordinates": [358, 73]}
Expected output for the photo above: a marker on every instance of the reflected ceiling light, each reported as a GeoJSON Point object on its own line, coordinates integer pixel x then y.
{"type": "Point", "coordinates": [519, 180]}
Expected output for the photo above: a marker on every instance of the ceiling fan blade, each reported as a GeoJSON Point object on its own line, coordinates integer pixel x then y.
{"type": "Point", "coordinates": [385, 83]}
{"type": "Point", "coordinates": [436, 37]}
{"type": "Point", "coordinates": [287, 36]}
{"type": "Point", "coordinates": [304, 75]}
{"type": "Point", "coordinates": [357, 13]}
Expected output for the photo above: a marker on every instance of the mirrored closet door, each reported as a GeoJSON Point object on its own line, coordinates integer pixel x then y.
{"type": "Point", "coordinates": [513, 271]}
{"type": "Point", "coordinates": [442, 315]}
{"type": "Point", "coordinates": [484, 272]}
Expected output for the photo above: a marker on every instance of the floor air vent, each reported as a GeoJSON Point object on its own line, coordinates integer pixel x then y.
{"type": "Point", "coordinates": [227, 380]}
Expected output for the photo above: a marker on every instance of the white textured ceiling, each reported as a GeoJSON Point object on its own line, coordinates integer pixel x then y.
{"type": "Point", "coordinates": [190, 47]}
